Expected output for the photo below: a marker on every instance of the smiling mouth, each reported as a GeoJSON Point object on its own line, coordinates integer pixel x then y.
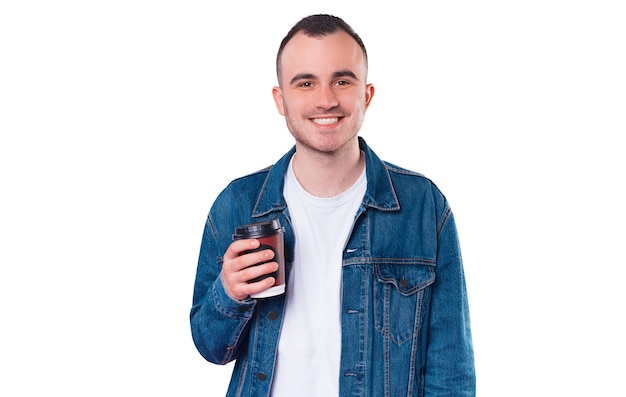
{"type": "Point", "coordinates": [325, 120]}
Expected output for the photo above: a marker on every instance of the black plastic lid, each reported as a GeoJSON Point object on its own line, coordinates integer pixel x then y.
{"type": "Point", "coordinates": [256, 230]}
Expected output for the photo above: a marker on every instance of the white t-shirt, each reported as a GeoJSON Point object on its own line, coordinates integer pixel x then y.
{"type": "Point", "coordinates": [309, 348]}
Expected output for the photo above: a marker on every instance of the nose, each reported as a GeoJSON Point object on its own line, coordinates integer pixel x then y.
{"type": "Point", "coordinates": [326, 98]}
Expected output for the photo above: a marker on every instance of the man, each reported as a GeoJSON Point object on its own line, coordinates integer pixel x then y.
{"type": "Point", "coordinates": [375, 303]}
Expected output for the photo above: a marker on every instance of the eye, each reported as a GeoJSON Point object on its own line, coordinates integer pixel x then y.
{"type": "Point", "coordinates": [342, 83]}
{"type": "Point", "coordinates": [305, 84]}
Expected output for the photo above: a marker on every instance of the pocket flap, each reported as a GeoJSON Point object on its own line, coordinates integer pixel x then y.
{"type": "Point", "coordinates": [408, 279]}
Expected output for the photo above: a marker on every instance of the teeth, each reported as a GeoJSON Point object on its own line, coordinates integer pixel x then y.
{"type": "Point", "coordinates": [331, 120]}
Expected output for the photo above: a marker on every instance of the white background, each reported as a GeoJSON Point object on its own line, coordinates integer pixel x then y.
{"type": "Point", "coordinates": [120, 122]}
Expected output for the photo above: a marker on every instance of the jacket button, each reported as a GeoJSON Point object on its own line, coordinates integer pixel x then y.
{"type": "Point", "coordinates": [261, 376]}
{"type": "Point", "coordinates": [272, 315]}
{"type": "Point", "coordinates": [404, 283]}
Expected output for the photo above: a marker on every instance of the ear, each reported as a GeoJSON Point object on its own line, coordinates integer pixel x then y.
{"type": "Point", "coordinates": [369, 94]}
{"type": "Point", "coordinates": [277, 93]}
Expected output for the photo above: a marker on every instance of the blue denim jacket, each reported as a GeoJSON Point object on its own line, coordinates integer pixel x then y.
{"type": "Point", "coordinates": [405, 318]}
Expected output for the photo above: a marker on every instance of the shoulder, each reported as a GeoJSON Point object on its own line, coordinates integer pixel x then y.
{"type": "Point", "coordinates": [405, 178]}
{"type": "Point", "coordinates": [255, 177]}
{"type": "Point", "coordinates": [416, 192]}
{"type": "Point", "coordinates": [243, 188]}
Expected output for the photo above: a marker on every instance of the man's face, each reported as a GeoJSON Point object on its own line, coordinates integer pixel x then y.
{"type": "Point", "coordinates": [323, 94]}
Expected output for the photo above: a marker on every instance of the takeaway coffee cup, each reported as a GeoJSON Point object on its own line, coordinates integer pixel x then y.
{"type": "Point", "coordinates": [270, 235]}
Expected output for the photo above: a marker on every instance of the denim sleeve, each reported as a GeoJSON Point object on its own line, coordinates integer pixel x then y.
{"type": "Point", "coordinates": [218, 322]}
{"type": "Point", "coordinates": [450, 357]}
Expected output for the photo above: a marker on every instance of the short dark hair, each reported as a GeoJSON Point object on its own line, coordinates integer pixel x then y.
{"type": "Point", "coordinates": [317, 26]}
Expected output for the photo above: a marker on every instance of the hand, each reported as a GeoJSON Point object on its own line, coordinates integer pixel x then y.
{"type": "Point", "coordinates": [238, 269]}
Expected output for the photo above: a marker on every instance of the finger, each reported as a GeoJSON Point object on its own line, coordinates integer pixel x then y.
{"type": "Point", "coordinates": [242, 291]}
{"type": "Point", "coordinates": [238, 246]}
{"type": "Point", "coordinates": [259, 286]}
{"type": "Point", "coordinates": [245, 261]}
{"type": "Point", "coordinates": [237, 284]}
{"type": "Point", "coordinates": [250, 273]}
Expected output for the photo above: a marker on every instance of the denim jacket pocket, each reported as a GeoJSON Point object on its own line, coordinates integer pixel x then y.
{"type": "Point", "coordinates": [399, 298]}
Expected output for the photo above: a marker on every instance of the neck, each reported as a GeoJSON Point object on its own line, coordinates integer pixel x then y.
{"type": "Point", "coordinates": [327, 175]}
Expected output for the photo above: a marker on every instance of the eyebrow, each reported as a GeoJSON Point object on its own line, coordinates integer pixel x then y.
{"type": "Point", "coordinates": [309, 76]}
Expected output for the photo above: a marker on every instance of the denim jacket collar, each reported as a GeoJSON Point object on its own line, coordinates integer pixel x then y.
{"type": "Point", "coordinates": [380, 193]}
